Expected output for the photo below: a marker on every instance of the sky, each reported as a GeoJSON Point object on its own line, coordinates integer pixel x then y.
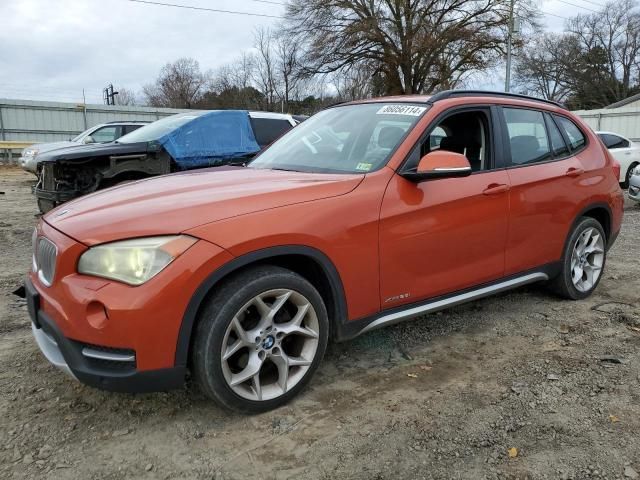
{"type": "Point", "coordinates": [53, 49]}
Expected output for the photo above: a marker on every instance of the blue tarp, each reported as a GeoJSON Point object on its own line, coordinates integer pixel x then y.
{"type": "Point", "coordinates": [211, 139]}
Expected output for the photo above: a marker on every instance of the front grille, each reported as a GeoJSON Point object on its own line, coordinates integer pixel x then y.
{"type": "Point", "coordinates": [45, 263]}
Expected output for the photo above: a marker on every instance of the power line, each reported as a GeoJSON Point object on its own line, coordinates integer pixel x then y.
{"type": "Point", "coordinates": [589, 1]}
{"type": "Point", "coordinates": [554, 15]}
{"type": "Point", "coordinates": [216, 10]}
{"type": "Point", "coordinates": [578, 6]}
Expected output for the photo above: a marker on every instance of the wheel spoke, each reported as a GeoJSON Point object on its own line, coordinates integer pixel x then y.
{"type": "Point", "coordinates": [240, 331]}
{"type": "Point", "coordinates": [232, 349]}
{"type": "Point", "coordinates": [289, 329]}
{"type": "Point", "coordinates": [576, 274]}
{"type": "Point", "coordinates": [282, 362]}
{"type": "Point", "coordinates": [253, 368]}
{"type": "Point", "coordinates": [257, 387]}
{"type": "Point", "coordinates": [299, 362]}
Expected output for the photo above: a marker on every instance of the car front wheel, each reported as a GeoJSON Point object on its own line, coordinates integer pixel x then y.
{"type": "Point", "coordinates": [259, 339]}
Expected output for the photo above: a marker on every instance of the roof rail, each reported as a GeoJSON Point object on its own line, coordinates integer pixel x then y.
{"type": "Point", "coordinates": [128, 121]}
{"type": "Point", "coordinates": [487, 93]}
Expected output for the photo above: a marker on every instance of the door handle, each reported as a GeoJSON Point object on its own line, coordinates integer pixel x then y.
{"type": "Point", "coordinates": [496, 188]}
{"type": "Point", "coordinates": [574, 172]}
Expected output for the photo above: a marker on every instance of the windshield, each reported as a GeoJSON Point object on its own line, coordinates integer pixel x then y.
{"type": "Point", "coordinates": [348, 139]}
{"type": "Point", "coordinates": [159, 128]}
{"type": "Point", "coordinates": [83, 134]}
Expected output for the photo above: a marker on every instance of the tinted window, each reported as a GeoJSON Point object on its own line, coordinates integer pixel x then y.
{"type": "Point", "coordinates": [266, 130]}
{"type": "Point", "coordinates": [131, 128]}
{"type": "Point", "coordinates": [613, 141]}
{"type": "Point", "coordinates": [576, 138]}
{"type": "Point", "coordinates": [105, 134]}
{"type": "Point", "coordinates": [527, 136]}
{"type": "Point", "coordinates": [559, 147]}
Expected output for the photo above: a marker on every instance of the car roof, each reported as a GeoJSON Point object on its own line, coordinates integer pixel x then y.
{"type": "Point", "coordinates": [456, 94]}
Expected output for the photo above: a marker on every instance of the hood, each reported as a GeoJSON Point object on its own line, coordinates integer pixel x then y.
{"type": "Point", "coordinates": [49, 147]}
{"type": "Point", "coordinates": [175, 203]}
{"type": "Point", "coordinates": [82, 151]}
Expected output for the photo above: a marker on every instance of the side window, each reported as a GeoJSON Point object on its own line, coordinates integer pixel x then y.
{"type": "Point", "coordinates": [105, 134]}
{"type": "Point", "coordinates": [467, 133]}
{"type": "Point", "coordinates": [527, 133]}
{"type": "Point", "coordinates": [576, 138]}
{"type": "Point", "coordinates": [266, 130]}
{"type": "Point", "coordinates": [613, 141]}
{"type": "Point", "coordinates": [558, 146]}
{"type": "Point", "coordinates": [131, 128]}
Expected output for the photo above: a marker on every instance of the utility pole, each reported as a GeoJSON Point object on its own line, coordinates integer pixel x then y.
{"type": "Point", "coordinates": [507, 78]}
{"type": "Point", "coordinates": [109, 95]}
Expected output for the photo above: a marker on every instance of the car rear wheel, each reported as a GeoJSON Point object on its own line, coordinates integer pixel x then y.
{"type": "Point", "coordinates": [259, 339]}
{"type": "Point", "coordinates": [628, 175]}
{"type": "Point", "coordinates": [583, 261]}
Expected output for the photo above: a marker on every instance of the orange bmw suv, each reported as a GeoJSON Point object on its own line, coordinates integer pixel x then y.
{"type": "Point", "coordinates": [366, 214]}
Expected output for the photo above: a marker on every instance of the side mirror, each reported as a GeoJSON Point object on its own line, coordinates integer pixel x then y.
{"type": "Point", "coordinates": [440, 164]}
{"type": "Point", "coordinates": [88, 139]}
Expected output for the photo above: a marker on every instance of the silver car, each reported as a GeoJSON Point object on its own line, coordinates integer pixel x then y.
{"type": "Point", "coordinates": [634, 185]}
{"type": "Point", "coordinates": [102, 133]}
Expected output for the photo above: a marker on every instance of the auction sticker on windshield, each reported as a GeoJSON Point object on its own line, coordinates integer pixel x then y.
{"type": "Point", "coordinates": [401, 110]}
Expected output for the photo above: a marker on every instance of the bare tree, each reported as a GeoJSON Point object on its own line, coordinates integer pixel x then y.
{"type": "Point", "coordinates": [179, 85]}
{"type": "Point", "coordinates": [265, 65]}
{"type": "Point", "coordinates": [125, 96]}
{"type": "Point", "coordinates": [417, 45]}
{"type": "Point", "coordinates": [542, 68]}
{"type": "Point", "coordinates": [611, 37]}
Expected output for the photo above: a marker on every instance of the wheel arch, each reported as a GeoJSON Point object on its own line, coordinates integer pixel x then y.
{"type": "Point", "coordinates": [308, 262]}
{"type": "Point", "coordinates": [601, 212]}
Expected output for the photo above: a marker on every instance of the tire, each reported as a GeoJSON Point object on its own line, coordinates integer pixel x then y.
{"type": "Point", "coordinates": [627, 176]}
{"type": "Point", "coordinates": [582, 263]}
{"type": "Point", "coordinates": [234, 338]}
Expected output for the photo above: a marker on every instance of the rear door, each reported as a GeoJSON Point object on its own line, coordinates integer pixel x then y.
{"type": "Point", "coordinates": [544, 174]}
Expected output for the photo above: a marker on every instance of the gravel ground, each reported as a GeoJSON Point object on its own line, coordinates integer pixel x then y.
{"type": "Point", "coordinates": [519, 386]}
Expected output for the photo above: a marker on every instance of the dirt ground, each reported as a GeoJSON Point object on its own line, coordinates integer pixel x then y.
{"type": "Point", "coordinates": [519, 386]}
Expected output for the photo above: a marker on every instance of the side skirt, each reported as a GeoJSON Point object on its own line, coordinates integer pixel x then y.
{"type": "Point", "coordinates": [354, 328]}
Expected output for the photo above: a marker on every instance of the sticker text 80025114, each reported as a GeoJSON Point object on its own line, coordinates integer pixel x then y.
{"type": "Point", "coordinates": [412, 110]}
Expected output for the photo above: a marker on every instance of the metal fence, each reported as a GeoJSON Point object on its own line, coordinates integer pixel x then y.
{"type": "Point", "coordinates": [25, 121]}
{"type": "Point", "coordinates": [625, 121]}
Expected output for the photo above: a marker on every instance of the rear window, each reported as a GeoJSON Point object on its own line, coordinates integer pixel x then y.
{"type": "Point", "coordinates": [577, 140]}
{"type": "Point", "coordinates": [613, 141]}
{"type": "Point", "coordinates": [266, 130]}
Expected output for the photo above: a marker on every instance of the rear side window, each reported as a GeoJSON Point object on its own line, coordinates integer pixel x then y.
{"type": "Point", "coordinates": [576, 138]}
{"type": "Point", "coordinates": [558, 146]}
{"type": "Point", "coordinates": [131, 128]}
{"type": "Point", "coordinates": [527, 133]}
{"type": "Point", "coordinates": [266, 130]}
{"type": "Point", "coordinates": [613, 141]}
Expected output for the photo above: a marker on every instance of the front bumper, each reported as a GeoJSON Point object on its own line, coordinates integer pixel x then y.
{"type": "Point", "coordinates": [103, 368]}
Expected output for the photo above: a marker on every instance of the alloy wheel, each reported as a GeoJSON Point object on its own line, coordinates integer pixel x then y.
{"type": "Point", "coordinates": [587, 259]}
{"type": "Point", "coordinates": [270, 344]}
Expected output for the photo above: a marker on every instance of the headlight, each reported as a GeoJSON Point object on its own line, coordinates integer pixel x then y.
{"type": "Point", "coordinates": [637, 170]}
{"type": "Point", "coordinates": [29, 152]}
{"type": "Point", "coordinates": [133, 261]}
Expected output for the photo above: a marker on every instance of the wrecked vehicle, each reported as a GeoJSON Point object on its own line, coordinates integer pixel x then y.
{"type": "Point", "coordinates": [180, 142]}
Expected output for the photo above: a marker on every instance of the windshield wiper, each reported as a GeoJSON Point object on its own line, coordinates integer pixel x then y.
{"type": "Point", "coordinates": [284, 169]}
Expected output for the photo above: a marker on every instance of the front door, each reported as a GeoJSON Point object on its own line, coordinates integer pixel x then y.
{"type": "Point", "coordinates": [444, 235]}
